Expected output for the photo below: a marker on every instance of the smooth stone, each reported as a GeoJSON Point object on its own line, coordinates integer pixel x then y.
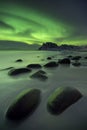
{"type": "Point", "coordinates": [34, 66]}
{"type": "Point", "coordinates": [41, 75]}
{"type": "Point", "coordinates": [61, 99]}
{"type": "Point", "coordinates": [41, 72]}
{"type": "Point", "coordinates": [42, 59]}
{"type": "Point", "coordinates": [85, 57]}
{"type": "Point", "coordinates": [76, 58]}
{"type": "Point", "coordinates": [51, 64]}
{"type": "Point", "coordinates": [49, 58]}
{"type": "Point", "coordinates": [70, 56]}
{"type": "Point", "coordinates": [19, 60]}
{"type": "Point", "coordinates": [18, 71]}
{"type": "Point", "coordinates": [77, 64]}
{"type": "Point", "coordinates": [64, 61]}
{"type": "Point", "coordinates": [24, 104]}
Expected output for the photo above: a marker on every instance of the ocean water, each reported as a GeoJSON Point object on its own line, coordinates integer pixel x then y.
{"type": "Point", "coordinates": [74, 118]}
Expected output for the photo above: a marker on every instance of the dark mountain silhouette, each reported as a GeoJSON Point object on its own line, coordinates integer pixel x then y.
{"type": "Point", "coordinates": [54, 47]}
{"type": "Point", "coordinates": [48, 46]}
{"type": "Point", "coordinates": [12, 45]}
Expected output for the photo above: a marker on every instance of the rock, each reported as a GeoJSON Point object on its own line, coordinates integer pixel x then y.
{"type": "Point", "coordinates": [49, 58]}
{"type": "Point", "coordinates": [42, 59]}
{"type": "Point", "coordinates": [19, 60]}
{"type": "Point", "coordinates": [76, 64]}
{"type": "Point", "coordinates": [76, 58]}
{"type": "Point", "coordinates": [15, 72]}
{"type": "Point", "coordinates": [41, 75]}
{"type": "Point", "coordinates": [85, 57]}
{"type": "Point", "coordinates": [64, 61]}
{"type": "Point", "coordinates": [70, 56]}
{"type": "Point", "coordinates": [24, 104]}
{"type": "Point", "coordinates": [41, 72]}
{"type": "Point", "coordinates": [51, 64]}
{"type": "Point", "coordinates": [62, 98]}
{"type": "Point", "coordinates": [34, 66]}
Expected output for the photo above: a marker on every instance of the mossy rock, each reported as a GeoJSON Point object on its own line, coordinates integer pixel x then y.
{"type": "Point", "coordinates": [19, 60]}
{"type": "Point", "coordinates": [61, 99]}
{"type": "Point", "coordinates": [70, 56]}
{"type": "Point", "coordinates": [77, 64]}
{"type": "Point", "coordinates": [41, 75]}
{"type": "Point", "coordinates": [76, 58]}
{"type": "Point", "coordinates": [64, 61]}
{"type": "Point", "coordinates": [51, 64]}
{"type": "Point", "coordinates": [24, 104]}
{"type": "Point", "coordinates": [15, 72]}
{"type": "Point", "coordinates": [34, 66]}
{"type": "Point", "coordinates": [85, 57]}
{"type": "Point", "coordinates": [49, 58]}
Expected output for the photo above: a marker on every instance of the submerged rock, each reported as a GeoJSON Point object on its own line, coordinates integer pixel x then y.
{"type": "Point", "coordinates": [85, 57]}
{"type": "Point", "coordinates": [15, 72]}
{"type": "Point", "coordinates": [51, 64]}
{"type": "Point", "coordinates": [62, 98]}
{"type": "Point", "coordinates": [42, 59]}
{"type": "Point", "coordinates": [77, 64]}
{"type": "Point", "coordinates": [49, 58]}
{"type": "Point", "coordinates": [76, 58]}
{"type": "Point", "coordinates": [19, 60]}
{"type": "Point", "coordinates": [41, 75]}
{"type": "Point", "coordinates": [41, 72]}
{"type": "Point", "coordinates": [64, 61]}
{"type": "Point", "coordinates": [70, 56]}
{"type": "Point", "coordinates": [24, 104]}
{"type": "Point", "coordinates": [34, 66]}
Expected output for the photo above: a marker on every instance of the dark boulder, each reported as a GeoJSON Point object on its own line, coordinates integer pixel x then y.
{"type": "Point", "coordinates": [76, 58]}
{"type": "Point", "coordinates": [41, 75]}
{"type": "Point", "coordinates": [77, 64]}
{"type": "Point", "coordinates": [42, 59]}
{"type": "Point", "coordinates": [15, 72]}
{"type": "Point", "coordinates": [51, 64]}
{"type": "Point", "coordinates": [62, 98]}
{"type": "Point", "coordinates": [41, 72]}
{"type": "Point", "coordinates": [70, 56]}
{"type": "Point", "coordinates": [85, 57]}
{"type": "Point", "coordinates": [19, 60]}
{"type": "Point", "coordinates": [24, 104]}
{"type": "Point", "coordinates": [49, 58]}
{"type": "Point", "coordinates": [34, 66]}
{"type": "Point", "coordinates": [64, 61]}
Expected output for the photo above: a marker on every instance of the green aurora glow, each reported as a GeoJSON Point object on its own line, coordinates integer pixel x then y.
{"type": "Point", "coordinates": [18, 23]}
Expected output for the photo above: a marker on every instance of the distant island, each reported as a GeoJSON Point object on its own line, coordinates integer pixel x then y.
{"type": "Point", "coordinates": [49, 46]}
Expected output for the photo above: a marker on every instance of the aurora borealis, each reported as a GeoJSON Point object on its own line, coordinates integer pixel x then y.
{"type": "Point", "coordinates": [36, 21]}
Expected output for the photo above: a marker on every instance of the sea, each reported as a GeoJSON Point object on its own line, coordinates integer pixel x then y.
{"type": "Point", "coordinates": [73, 118]}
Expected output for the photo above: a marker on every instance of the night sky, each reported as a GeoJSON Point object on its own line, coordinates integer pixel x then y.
{"type": "Point", "coordinates": [38, 21]}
